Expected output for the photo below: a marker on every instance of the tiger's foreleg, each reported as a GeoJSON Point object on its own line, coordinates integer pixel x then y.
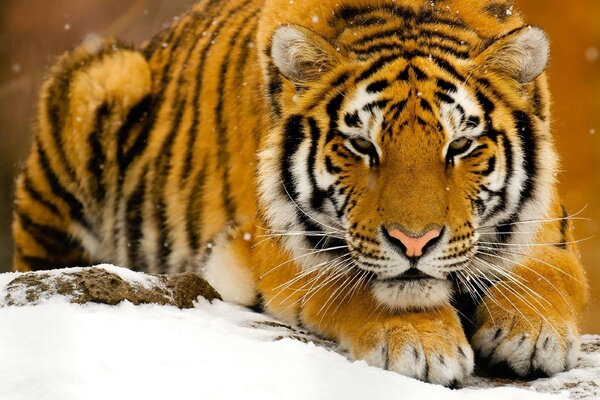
{"type": "Point", "coordinates": [64, 195]}
{"type": "Point", "coordinates": [429, 345]}
{"type": "Point", "coordinates": [528, 320]}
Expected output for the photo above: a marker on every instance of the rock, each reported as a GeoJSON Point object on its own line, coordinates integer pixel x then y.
{"type": "Point", "coordinates": [107, 285]}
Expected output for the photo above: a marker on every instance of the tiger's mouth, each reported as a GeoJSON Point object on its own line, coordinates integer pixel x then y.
{"type": "Point", "coordinates": [412, 274]}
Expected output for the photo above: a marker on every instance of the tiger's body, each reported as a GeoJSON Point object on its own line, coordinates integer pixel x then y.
{"type": "Point", "coordinates": [307, 157]}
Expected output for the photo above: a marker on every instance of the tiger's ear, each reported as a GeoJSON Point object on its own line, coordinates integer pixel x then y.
{"type": "Point", "coordinates": [301, 55]}
{"type": "Point", "coordinates": [522, 54]}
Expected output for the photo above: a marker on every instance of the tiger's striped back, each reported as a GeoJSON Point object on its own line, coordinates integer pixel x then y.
{"type": "Point", "coordinates": [144, 158]}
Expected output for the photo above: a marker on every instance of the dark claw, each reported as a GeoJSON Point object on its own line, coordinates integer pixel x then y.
{"type": "Point", "coordinates": [442, 360]}
{"type": "Point", "coordinates": [498, 333]}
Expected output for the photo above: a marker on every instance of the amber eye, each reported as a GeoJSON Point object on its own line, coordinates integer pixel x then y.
{"type": "Point", "coordinates": [366, 147]}
{"type": "Point", "coordinates": [363, 146]}
{"type": "Point", "coordinates": [459, 146]}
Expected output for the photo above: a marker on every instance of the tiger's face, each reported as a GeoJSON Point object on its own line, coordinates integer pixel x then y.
{"type": "Point", "coordinates": [404, 168]}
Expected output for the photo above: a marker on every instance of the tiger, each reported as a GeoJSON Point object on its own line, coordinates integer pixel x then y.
{"type": "Point", "coordinates": [381, 173]}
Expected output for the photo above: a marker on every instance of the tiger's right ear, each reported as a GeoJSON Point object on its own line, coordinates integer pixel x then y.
{"type": "Point", "coordinates": [301, 55]}
{"type": "Point", "coordinates": [522, 54]}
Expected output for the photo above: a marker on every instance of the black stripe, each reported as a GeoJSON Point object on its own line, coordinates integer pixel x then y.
{"type": "Point", "coordinates": [336, 83]}
{"type": "Point", "coordinates": [37, 196]}
{"type": "Point", "coordinates": [505, 228]}
{"type": "Point", "coordinates": [195, 209]}
{"type": "Point", "coordinates": [537, 102]}
{"type": "Point", "coordinates": [331, 168]}
{"type": "Point", "coordinates": [353, 120]}
{"type": "Point", "coordinates": [377, 86]}
{"type": "Point", "coordinates": [133, 227]}
{"type": "Point", "coordinates": [75, 207]}
{"type": "Point", "coordinates": [316, 239]}
{"type": "Point", "coordinates": [136, 115]}
{"type": "Point", "coordinates": [54, 241]}
{"type": "Point", "coordinates": [57, 110]}
{"type": "Point", "coordinates": [525, 132]}
{"type": "Point", "coordinates": [422, 122]}
{"type": "Point", "coordinates": [380, 104]}
{"type": "Point", "coordinates": [445, 65]}
{"type": "Point", "coordinates": [397, 108]}
{"type": "Point", "coordinates": [375, 67]}
{"type": "Point", "coordinates": [164, 244]}
{"type": "Point", "coordinates": [446, 86]}
{"type": "Point", "coordinates": [508, 151]}
{"type": "Point", "coordinates": [491, 166]}
{"type": "Point", "coordinates": [473, 121]}
{"type": "Point", "coordinates": [317, 195]}
{"type": "Point", "coordinates": [461, 111]}
{"type": "Point", "coordinates": [444, 98]}
{"type": "Point", "coordinates": [274, 89]}
{"type": "Point", "coordinates": [564, 226]}
{"type": "Point", "coordinates": [294, 135]}
{"type": "Point", "coordinates": [97, 162]}
{"type": "Point", "coordinates": [484, 101]}
{"type": "Point", "coordinates": [476, 152]}
{"type": "Point", "coordinates": [425, 105]}
{"type": "Point", "coordinates": [333, 108]}
{"type": "Point", "coordinates": [403, 76]}
{"type": "Point", "coordinates": [419, 74]}
{"type": "Point", "coordinates": [343, 208]}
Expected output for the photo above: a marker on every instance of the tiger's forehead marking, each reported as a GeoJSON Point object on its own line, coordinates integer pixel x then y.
{"type": "Point", "coordinates": [438, 104]}
{"type": "Point", "coordinates": [460, 113]}
{"type": "Point", "coordinates": [364, 113]}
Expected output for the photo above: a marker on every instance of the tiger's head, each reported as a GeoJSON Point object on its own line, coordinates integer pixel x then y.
{"type": "Point", "coordinates": [405, 144]}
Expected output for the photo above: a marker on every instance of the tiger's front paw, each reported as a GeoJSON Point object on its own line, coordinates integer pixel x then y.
{"type": "Point", "coordinates": [418, 345]}
{"type": "Point", "coordinates": [527, 342]}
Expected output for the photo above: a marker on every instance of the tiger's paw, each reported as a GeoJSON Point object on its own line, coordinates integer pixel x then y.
{"type": "Point", "coordinates": [526, 343]}
{"type": "Point", "coordinates": [429, 350]}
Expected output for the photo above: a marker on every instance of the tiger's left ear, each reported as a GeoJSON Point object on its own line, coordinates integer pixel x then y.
{"type": "Point", "coordinates": [521, 54]}
{"type": "Point", "coordinates": [301, 55]}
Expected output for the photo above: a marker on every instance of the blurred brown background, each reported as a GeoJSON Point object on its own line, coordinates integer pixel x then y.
{"type": "Point", "coordinates": [34, 32]}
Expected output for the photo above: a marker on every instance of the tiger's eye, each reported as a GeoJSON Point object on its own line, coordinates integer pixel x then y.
{"type": "Point", "coordinates": [460, 145]}
{"type": "Point", "coordinates": [362, 145]}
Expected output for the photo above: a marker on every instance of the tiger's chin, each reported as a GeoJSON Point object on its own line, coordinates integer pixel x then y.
{"type": "Point", "coordinates": [421, 294]}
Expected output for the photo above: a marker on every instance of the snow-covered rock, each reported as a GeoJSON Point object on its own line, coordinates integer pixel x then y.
{"type": "Point", "coordinates": [105, 284]}
{"type": "Point", "coordinates": [59, 350]}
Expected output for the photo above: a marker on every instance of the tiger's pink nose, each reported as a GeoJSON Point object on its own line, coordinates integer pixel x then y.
{"type": "Point", "coordinates": [414, 245]}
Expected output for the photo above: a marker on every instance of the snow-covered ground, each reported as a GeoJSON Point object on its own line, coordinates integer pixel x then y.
{"type": "Point", "coordinates": [57, 350]}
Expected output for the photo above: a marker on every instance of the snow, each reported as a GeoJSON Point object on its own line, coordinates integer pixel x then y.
{"type": "Point", "coordinates": [58, 350]}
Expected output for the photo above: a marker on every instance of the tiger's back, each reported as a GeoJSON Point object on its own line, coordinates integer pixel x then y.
{"type": "Point", "coordinates": [144, 158]}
